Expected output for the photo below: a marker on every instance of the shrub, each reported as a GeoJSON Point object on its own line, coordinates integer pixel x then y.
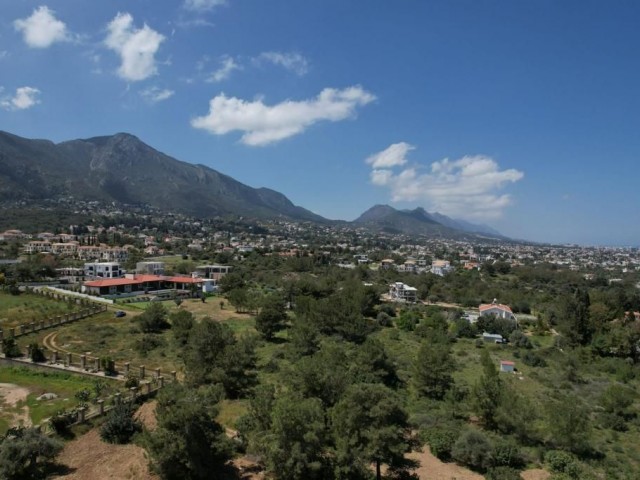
{"type": "Point", "coordinates": [503, 473]}
{"type": "Point", "coordinates": [120, 425]}
{"type": "Point", "coordinates": [147, 343]}
{"type": "Point", "coordinates": [473, 449]}
{"type": "Point", "coordinates": [408, 320]}
{"type": "Point", "coordinates": [383, 319]}
{"type": "Point", "coordinates": [562, 462]}
{"type": "Point", "coordinates": [533, 359]}
{"type": "Point", "coordinates": [83, 395]}
{"type": "Point", "coordinates": [108, 365]}
{"type": "Point", "coordinates": [61, 421]}
{"type": "Point", "coordinates": [26, 453]}
{"type": "Point", "coordinates": [10, 348]}
{"type": "Point", "coordinates": [36, 353]}
{"type": "Point", "coordinates": [388, 309]}
{"type": "Point", "coordinates": [520, 340]}
{"type": "Point", "coordinates": [131, 381]}
{"type": "Point", "coordinates": [506, 454]}
{"type": "Point", "coordinates": [441, 441]}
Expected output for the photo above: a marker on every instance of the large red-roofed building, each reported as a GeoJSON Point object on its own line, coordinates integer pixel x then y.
{"type": "Point", "coordinates": [140, 283]}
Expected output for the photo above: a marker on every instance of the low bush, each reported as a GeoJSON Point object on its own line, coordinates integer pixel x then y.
{"type": "Point", "coordinates": [441, 441]}
{"type": "Point", "coordinates": [563, 463]}
{"type": "Point", "coordinates": [503, 473]}
{"type": "Point", "coordinates": [473, 449]}
{"type": "Point", "coordinates": [119, 425]}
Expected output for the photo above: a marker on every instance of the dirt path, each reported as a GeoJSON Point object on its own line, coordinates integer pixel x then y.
{"type": "Point", "coordinates": [10, 396]}
{"type": "Point", "coordinates": [433, 469]}
{"type": "Point", "coordinates": [49, 342]}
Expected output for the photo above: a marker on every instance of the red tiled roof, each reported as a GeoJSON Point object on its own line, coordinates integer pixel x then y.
{"type": "Point", "coordinates": [112, 282]}
{"type": "Point", "coordinates": [184, 279]}
{"type": "Point", "coordinates": [506, 362]}
{"type": "Point", "coordinates": [488, 306]}
{"type": "Point", "coordinates": [138, 279]}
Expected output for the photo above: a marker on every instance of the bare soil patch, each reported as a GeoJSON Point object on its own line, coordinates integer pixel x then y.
{"type": "Point", "coordinates": [432, 468]}
{"type": "Point", "coordinates": [10, 397]}
{"type": "Point", "coordinates": [535, 474]}
{"type": "Point", "coordinates": [147, 415]}
{"type": "Point", "coordinates": [89, 458]}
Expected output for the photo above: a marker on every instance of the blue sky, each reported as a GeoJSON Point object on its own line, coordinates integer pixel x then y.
{"type": "Point", "coordinates": [522, 115]}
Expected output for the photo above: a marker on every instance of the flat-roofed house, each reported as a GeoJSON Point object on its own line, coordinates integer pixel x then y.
{"type": "Point", "coordinates": [214, 272]}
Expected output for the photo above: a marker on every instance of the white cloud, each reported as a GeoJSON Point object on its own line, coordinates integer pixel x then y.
{"type": "Point", "coordinates": [469, 187]}
{"type": "Point", "coordinates": [25, 97]}
{"type": "Point", "coordinates": [156, 94]}
{"type": "Point", "coordinates": [136, 47]}
{"type": "Point", "coordinates": [203, 5]}
{"type": "Point", "coordinates": [264, 124]}
{"type": "Point", "coordinates": [42, 29]}
{"type": "Point", "coordinates": [394, 155]}
{"type": "Point", "coordinates": [293, 62]}
{"type": "Point", "coordinates": [227, 67]}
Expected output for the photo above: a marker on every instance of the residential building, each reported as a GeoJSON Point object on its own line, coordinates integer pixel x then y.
{"type": "Point", "coordinates": [497, 309]}
{"type": "Point", "coordinates": [150, 268]}
{"type": "Point", "coordinates": [215, 272]}
{"type": "Point", "coordinates": [38, 246]}
{"type": "Point", "coordinates": [139, 284]}
{"type": "Point", "coordinates": [441, 267]}
{"type": "Point", "coordinates": [102, 270]}
{"type": "Point", "coordinates": [401, 292]}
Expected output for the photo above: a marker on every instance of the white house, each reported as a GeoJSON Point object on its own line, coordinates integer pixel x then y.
{"type": "Point", "coordinates": [102, 270]}
{"type": "Point", "coordinates": [441, 267]}
{"type": "Point", "coordinates": [497, 309]}
{"type": "Point", "coordinates": [215, 272]}
{"type": "Point", "coordinates": [150, 268]}
{"type": "Point", "coordinates": [401, 292]}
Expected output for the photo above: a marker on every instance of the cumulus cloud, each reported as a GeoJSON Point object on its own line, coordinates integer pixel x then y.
{"type": "Point", "coordinates": [469, 187]}
{"type": "Point", "coordinates": [394, 155]}
{"type": "Point", "coordinates": [293, 62]}
{"type": "Point", "coordinates": [264, 124]}
{"type": "Point", "coordinates": [25, 97]}
{"type": "Point", "coordinates": [228, 66]}
{"type": "Point", "coordinates": [156, 94]}
{"type": "Point", "coordinates": [42, 29]}
{"type": "Point", "coordinates": [203, 5]}
{"type": "Point", "coordinates": [136, 47]}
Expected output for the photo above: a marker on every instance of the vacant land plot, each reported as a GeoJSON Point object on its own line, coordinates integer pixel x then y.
{"type": "Point", "coordinates": [22, 390]}
{"type": "Point", "coordinates": [26, 308]}
{"type": "Point", "coordinates": [105, 335]}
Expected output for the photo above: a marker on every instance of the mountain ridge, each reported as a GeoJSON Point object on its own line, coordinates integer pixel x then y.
{"type": "Point", "coordinates": [122, 168]}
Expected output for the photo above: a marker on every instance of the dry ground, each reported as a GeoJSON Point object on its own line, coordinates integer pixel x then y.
{"type": "Point", "coordinates": [433, 469]}
{"type": "Point", "coordinates": [89, 458]}
{"type": "Point", "coordinates": [10, 396]}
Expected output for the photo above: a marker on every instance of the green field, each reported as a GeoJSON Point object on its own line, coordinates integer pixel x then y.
{"type": "Point", "coordinates": [63, 384]}
{"type": "Point", "coordinates": [104, 335]}
{"type": "Point", "coordinates": [26, 308]}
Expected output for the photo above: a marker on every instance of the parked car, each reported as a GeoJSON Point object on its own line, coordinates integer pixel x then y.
{"type": "Point", "coordinates": [120, 314]}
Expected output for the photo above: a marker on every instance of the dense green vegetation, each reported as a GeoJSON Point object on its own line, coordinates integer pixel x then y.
{"type": "Point", "coordinates": [327, 381]}
{"type": "Point", "coordinates": [335, 386]}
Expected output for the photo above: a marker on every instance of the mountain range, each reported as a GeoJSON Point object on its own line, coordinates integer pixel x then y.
{"type": "Point", "coordinates": [121, 168]}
